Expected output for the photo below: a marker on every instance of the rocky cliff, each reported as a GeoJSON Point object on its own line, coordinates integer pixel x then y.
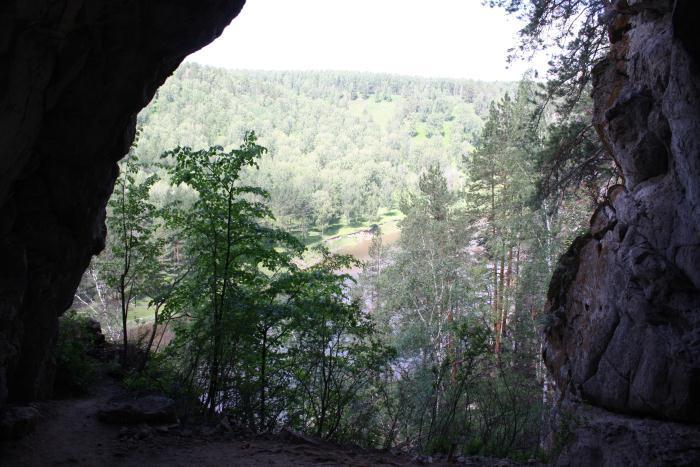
{"type": "Point", "coordinates": [623, 335]}
{"type": "Point", "coordinates": [73, 76]}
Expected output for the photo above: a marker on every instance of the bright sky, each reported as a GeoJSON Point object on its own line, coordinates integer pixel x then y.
{"type": "Point", "coordinates": [438, 38]}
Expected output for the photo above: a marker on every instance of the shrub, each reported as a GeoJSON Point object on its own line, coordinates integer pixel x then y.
{"type": "Point", "coordinates": [75, 369]}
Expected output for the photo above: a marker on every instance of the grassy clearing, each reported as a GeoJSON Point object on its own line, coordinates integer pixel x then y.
{"type": "Point", "coordinates": [341, 237]}
{"type": "Point", "coordinates": [140, 311]}
{"type": "Point", "coordinates": [339, 230]}
{"type": "Point", "coordinates": [388, 227]}
{"type": "Point", "coordinates": [382, 113]}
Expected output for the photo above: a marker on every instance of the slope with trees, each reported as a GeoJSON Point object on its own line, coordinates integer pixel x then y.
{"type": "Point", "coordinates": [341, 145]}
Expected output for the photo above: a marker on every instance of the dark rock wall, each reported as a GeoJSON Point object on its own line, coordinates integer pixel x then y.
{"type": "Point", "coordinates": [624, 327]}
{"type": "Point", "coordinates": [73, 76]}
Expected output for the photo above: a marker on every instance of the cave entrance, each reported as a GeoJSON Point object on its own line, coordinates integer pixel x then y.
{"type": "Point", "coordinates": [378, 222]}
{"type": "Point", "coordinates": [387, 151]}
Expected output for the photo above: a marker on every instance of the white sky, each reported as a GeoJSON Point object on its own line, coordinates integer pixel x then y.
{"type": "Point", "coordinates": [438, 38]}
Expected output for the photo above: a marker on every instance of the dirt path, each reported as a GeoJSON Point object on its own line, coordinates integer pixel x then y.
{"type": "Point", "coordinates": [70, 434]}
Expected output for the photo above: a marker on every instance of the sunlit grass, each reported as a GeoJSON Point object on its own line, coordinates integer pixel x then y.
{"type": "Point", "coordinates": [139, 310]}
{"type": "Point", "coordinates": [385, 215]}
{"type": "Point", "coordinates": [382, 113]}
{"type": "Point", "coordinates": [344, 237]}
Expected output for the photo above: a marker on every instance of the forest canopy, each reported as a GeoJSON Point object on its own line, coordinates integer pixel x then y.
{"type": "Point", "coordinates": [341, 145]}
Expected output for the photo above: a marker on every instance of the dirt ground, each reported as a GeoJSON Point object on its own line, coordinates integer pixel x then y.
{"type": "Point", "coordinates": [71, 435]}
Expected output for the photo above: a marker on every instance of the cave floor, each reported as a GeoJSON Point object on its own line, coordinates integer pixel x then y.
{"type": "Point", "coordinates": [70, 434]}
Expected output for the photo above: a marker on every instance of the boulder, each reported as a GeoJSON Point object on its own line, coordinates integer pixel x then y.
{"type": "Point", "coordinates": [599, 437]}
{"type": "Point", "coordinates": [94, 329]}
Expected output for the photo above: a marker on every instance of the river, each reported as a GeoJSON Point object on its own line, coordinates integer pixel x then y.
{"type": "Point", "coordinates": [360, 248]}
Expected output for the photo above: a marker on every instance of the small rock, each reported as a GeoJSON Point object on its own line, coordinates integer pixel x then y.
{"type": "Point", "coordinates": [143, 432]}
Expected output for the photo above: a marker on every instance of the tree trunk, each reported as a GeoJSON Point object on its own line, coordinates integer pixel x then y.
{"type": "Point", "coordinates": [499, 306]}
{"type": "Point", "coordinates": [125, 340]}
{"type": "Point", "coordinates": [509, 293]}
{"type": "Point", "coordinates": [152, 337]}
{"type": "Point", "coordinates": [263, 382]}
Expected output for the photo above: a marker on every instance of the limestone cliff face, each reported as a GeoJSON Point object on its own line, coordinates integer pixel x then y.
{"type": "Point", "coordinates": [623, 333]}
{"type": "Point", "coordinates": [73, 76]}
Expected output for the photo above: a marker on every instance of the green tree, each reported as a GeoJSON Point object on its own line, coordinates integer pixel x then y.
{"type": "Point", "coordinates": [336, 352]}
{"type": "Point", "coordinates": [573, 164]}
{"type": "Point", "coordinates": [502, 176]}
{"type": "Point", "coordinates": [573, 160]}
{"type": "Point", "coordinates": [230, 250]}
{"type": "Point", "coordinates": [323, 208]}
{"type": "Point", "coordinates": [576, 29]}
{"type": "Point", "coordinates": [425, 295]}
{"type": "Point", "coordinates": [134, 247]}
{"type": "Point", "coordinates": [261, 338]}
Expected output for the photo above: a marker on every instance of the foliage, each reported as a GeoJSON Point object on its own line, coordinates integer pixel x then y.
{"type": "Point", "coordinates": [336, 354]}
{"type": "Point", "coordinates": [427, 297]}
{"type": "Point", "coordinates": [460, 294]}
{"type": "Point", "coordinates": [260, 338]}
{"type": "Point", "coordinates": [576, 29]}
{"type": "Point", "coordinates": [228, 247]}
{"type": "Point", "coordinates": [160, 375]}
{"type": "Point", "coordinates": [75, 369]}
{"type": "Point", "coordinates": [134, 250]}
{"type": "Point", "coordinates": [572, 162]}
{"type": "Point", "coordinates": [502, 176]}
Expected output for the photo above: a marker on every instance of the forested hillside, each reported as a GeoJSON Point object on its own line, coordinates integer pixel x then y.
{"type": "Point", "coordinates": [341, 145]}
